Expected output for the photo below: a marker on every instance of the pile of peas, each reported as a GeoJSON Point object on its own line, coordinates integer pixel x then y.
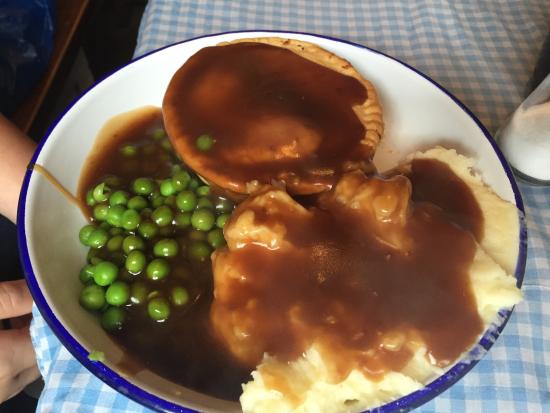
{"type": "Point", "coordinates": [136, 240]}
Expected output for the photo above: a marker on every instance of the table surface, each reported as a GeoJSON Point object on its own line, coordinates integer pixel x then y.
{"type": "Point", "coordinates": [484, 53]}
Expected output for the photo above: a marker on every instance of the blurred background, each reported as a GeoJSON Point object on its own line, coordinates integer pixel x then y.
{"type": "Point", "coordinates": [89, 40]}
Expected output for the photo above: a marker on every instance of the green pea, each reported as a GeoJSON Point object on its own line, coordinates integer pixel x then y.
{"type": "Point", "coordinates": [105, 273]}
{"type": "Point", "coordinates": [166, 144]}
{"type": "Point", "coordinates": [167, 231]}
{"type": "Point", "coordinates": [135, 261]}
{"type": "Point", "coordinates": [170, 201]}
{"type": "Point", "coordinates": [148, 229]}
{"type": "Point", "coordinates": [157, 200]}
{"type": "Point", "coordinates": [158, 308]}
{"type": "Point", "coordinates": [157, 269]}
{"type": "Point", "coordinates": [158, 134]}
{"type": "Point", "coordinates": [198, 251]}
{"type": "Point", "coordinates": [162, 216]}
{"type": "Point", "coordinates": [153, 294]}
{"type": "Point", "coordinates": [86, 273]}
{"type": "Point", "coordinates": [143, 186]}
{"type": "Point", "coordinates": [215, 238]}
{"type": "Point", "coordinates": [101, 192]}
{"type": "Point", "coordinates": [90, 201]}
{"type": "Point", "coordinates": [167, 188]}
{"type": "Point", "coordinates": [183, 219]}
{"type": "Point", "coordinates": [113, 318]}
{"type": "Point", "coordinates": [137, 203]}
{"type": "Point", "coordinates": [84, 234]}
{"type": "Point", "coordinates": [221, 220]}
{"type": "Point", "coordinates": [92, 297]}
{"type": "Point", "coordinates": [114, 216]}
{"type": "Point", "coordinates": [131, 243]}
{"type": "Point", "coordinates": [96, 355]}
{"type": "Point", "coordinates": [186, 201]}
{"type": "Point", "coordinates": [105, 225]}
{"type": "Point", "coordinates": [95, 260]}
{"type": "Point", "coordinates": [119, 198]}
{"type": "Point", "coordinates": [166, 248]}
{"type": "Point", "coordinates": [130, 219]}
{"type": "Point", "coordinates": [194, 183]}
{"type": "Point", "coordinates": [204, 143]}
{"type": "Point", "coordinates": [204, 202]}
{"type": "Point", "coordinates": [116, 231]}
{"type": "Point", "coordinates": [180, 180]}
{"type": "Point", "coordinates": [93, 256]}
{"type": "Point", "coordinates": [113, 181]}
{"type": "Point", "coordinates": [138, 292]}
{"type": "Point", "coordinates": [101, 212]}
{"type": "Point", "coordinates": [203, 219]}
{"type": "Point", "coordinates": [146, 213]}
{"type": "Point", "coordinates": [179, 296]}
{"type": "Point", "coordinates": [117, 294]}
{"type": "Point", "coordinates": [115, 243]}
{"type": "Point", "coordinates": [224, 206]}
{"type": "Point", "coordinates": [203, 190]}
{"type": "Point", "coordinates": [128, 150]}
{"type": "Point", "coordinates": [98, 238]}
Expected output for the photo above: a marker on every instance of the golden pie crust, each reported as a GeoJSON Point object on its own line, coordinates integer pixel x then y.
{"type": "Point", "coordinates": [369, 114]}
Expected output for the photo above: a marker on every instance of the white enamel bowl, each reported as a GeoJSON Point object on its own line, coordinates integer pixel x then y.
{"type": "Point", "coordinates": [418, 113]}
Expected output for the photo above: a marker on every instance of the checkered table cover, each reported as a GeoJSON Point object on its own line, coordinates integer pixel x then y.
{"type": "Point", "coordinates": [483, 52]}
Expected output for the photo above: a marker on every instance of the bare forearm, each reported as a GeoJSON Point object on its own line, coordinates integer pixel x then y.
{"type": "Point", "coordinates": [16, 151]}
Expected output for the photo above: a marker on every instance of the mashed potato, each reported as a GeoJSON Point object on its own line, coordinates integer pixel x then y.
{"type": "Point", "coordinates": [500, 217]}
{"type": "Point", "coordinates": [309, 384]}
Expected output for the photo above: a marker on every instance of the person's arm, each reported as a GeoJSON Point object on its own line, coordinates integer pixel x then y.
{"type": "Point", "coordinates": [16, 151]}
{"type": "Point", "coordinates": [17, 359]}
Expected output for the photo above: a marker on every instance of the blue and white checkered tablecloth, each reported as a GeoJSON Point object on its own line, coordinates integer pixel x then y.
{"type": "Point", "coordinates": [484, 52]}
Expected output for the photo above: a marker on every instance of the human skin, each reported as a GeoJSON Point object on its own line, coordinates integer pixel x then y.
{"type": "Point", "coordinates": [17, 358]}
{"type": "Point", "coordinates": [16, 151]}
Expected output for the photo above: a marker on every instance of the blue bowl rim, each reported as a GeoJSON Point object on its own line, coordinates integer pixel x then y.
{"type": "Point", "coordinates": [114, 380]}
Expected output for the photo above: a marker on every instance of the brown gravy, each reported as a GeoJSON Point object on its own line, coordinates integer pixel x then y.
{"type": "Point", "coordinates": [349, 286]}
{"type": "Point", "coordinates": [257, 101]}
{"type": "Point", "coordinates": [343, 289]}
{"type": "Point", "coordinates": [433, 181]}
{"type": "Point", "coordinates": [57, 185]}
{"type": "Point", "coordinates": [105, 158]}
{"type": "Point", "coordinates": [181, 349]}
